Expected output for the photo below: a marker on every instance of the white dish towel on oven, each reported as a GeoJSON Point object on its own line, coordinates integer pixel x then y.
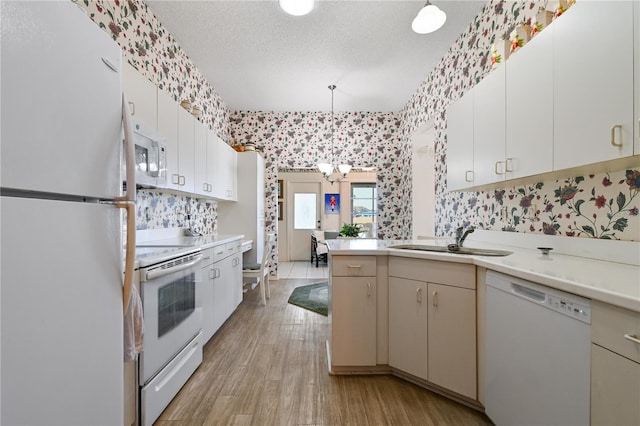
{"type": "Point", "coordinates": [133, 326]}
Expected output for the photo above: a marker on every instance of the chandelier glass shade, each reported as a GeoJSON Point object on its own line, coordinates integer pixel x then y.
{"type": "Point", "coordinates": [297, 7]}
{"type": "Point", "coordinates": [429, 19]}
{"type": "Point", "coordinates": [327, 168]}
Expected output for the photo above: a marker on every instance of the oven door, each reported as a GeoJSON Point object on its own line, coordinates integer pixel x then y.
{"type": "Point", "coordinates": [172, 316]}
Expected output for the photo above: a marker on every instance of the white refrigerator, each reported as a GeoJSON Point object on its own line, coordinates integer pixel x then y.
{"type": "Point", "coordinates": [61, 248]}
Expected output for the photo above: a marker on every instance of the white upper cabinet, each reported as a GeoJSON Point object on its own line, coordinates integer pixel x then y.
{"type": "Point", "coordinates": [636, 79]}
{"type": "Point", "coordinates": [489, 128]}
{"type": "Point", "coordinates": [226, 181]}
{"type": "Point", "coordinates": [142, 96]}
{"type": "Point", "coordinates": [186, 151]}
{"type": "Point", "coordinates": [200, 159]}
{"type": "Point", "coordinates": [212, 160]}
{"type": "Point", "coordinates": [168, 128]}
{"type": "Point", "coordinates": [593, 83]}
{"type": "Point", "coordinates": [529, 108]}
{"type": "Point", "coordinates": [460, 143]}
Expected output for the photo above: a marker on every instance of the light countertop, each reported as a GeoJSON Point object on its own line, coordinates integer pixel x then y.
{"type": "Point", "coordinates": [604, 280]}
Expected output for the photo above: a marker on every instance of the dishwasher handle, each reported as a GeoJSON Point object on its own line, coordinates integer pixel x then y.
{"type": "Point", "coordinates": [528, 293]}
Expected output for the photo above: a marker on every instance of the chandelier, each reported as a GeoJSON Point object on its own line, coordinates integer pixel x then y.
{"type": "Point", "coordinates": [327, 169]}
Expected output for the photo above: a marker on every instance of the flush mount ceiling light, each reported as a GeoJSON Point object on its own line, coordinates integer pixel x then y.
{"type": "Point", "coordinates": [429, 19]}
{"type": "Point", "coordinates": [327, 168]}
{"type": "Point", "coordinates": [296, 7]}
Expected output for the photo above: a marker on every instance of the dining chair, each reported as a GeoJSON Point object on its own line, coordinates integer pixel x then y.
{"type": "Point", "coordinates": [319, 249]}
{"type": "Point", "coordinates": [260, 271]}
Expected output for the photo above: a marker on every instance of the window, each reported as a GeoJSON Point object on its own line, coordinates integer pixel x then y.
{"type": "Point", "coordinates": [304, 211]}
{"type": "Point", "coordinates": [363, 206]}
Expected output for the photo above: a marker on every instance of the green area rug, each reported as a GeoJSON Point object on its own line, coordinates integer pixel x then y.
{"type": "Point", "coordinates": [313, 297]}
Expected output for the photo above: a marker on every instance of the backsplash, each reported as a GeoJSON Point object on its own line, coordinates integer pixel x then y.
{"type": "Point", "coordinates": [157, 210]}
{"type": "Point", "coordinates": [603, 205]}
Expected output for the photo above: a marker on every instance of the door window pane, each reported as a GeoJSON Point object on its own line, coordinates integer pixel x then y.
{"type": "Point", "coordinates": [363, 206]}
{"type": "Point", "coordinates": [304, 211]}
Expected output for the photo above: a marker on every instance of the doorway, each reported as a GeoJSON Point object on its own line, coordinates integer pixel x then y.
{"type": "Point", "coordinates": [304, 211]}
{"type": "Point", "coordinates": [423, 177]}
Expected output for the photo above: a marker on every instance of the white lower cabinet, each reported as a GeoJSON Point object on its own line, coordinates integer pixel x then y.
{"type": "Point", "coordinates": [432, 322]}
{"type": "Point", "coordinates": [222, 291]}
{"type": "Point", "coordinates": [452, 338]}
{"type": "Point", "coordinates": [352, 311]}
{"type": "Point", "coordinates": [615, 365]}
{"type": "Point", "coordinates": [353, 337]}
{"type": "Point", "coordinates": [408, 326]}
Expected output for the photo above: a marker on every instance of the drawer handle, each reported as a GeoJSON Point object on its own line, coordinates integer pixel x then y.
{"type": "Point", "coordinates": [632, 337]}
{"type": "Point", "coordinates": [354, 266]}
{"type": "Point", "coordinates": [419, 295]}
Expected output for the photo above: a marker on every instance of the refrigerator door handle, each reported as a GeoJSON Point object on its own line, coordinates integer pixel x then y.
{"type": "Point", "coordinates": [128, 202]}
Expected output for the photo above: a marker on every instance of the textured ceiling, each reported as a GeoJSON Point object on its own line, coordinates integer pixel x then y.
{"type": "Point", "coordinates": [258, 58]}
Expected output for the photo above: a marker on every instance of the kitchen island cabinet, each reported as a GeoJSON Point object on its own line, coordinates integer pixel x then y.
{"type": "Point", "coordinates": [432, 322]}
{"type": "Point", "coordinates": [352, 311]}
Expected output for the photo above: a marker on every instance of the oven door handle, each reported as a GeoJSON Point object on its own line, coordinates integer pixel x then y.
{"type": "Point", "coordinates": [157, 273]}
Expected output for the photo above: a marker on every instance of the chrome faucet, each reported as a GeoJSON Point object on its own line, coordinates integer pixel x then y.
{"type": "Point", "coordinates": [462, 235]}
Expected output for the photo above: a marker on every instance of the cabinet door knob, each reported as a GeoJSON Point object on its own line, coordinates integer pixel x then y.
{"type": "Point", "coordinates": [175, 179]}
{"type": "Point", "coordinates": [613, 135]}
{"type": "Point", "coordinates": [419, 295]}
{"type": "Point", "coordinates": [467, 174]}
{"type": "Point", "coordinates": [368, 289]}
{"type": "Point", "coordinates": [435, 298]}
{"type": "Point", "coordinates": [132, 108]}
{"type": "Point", "coordinates": [495, 168]}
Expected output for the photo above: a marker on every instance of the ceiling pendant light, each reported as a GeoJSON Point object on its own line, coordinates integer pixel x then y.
{"type": "Point", "coordinates": [429, 19]}
{"type": "Point", "coordinates": [296, 7]}
{"type": "Point", "coordinates": [327, 168]}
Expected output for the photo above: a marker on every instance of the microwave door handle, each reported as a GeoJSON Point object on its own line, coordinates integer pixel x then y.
{"type": "Point", "coordinates": [128, 202]}
{"type": "Point", "coordinates": [154, 158]}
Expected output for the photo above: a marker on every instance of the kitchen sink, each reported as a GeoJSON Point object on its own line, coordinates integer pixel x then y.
{"type": "Point", "coordinates": [452, 249]}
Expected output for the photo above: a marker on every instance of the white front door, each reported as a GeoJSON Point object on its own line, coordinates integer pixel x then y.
{"type": "Point", "coordinates": [304, 215]}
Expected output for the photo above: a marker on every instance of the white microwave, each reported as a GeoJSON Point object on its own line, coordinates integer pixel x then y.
{"type": "Point", "coordinates": [150, 157]}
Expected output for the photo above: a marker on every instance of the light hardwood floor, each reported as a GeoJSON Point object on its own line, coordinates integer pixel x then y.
{"type": "Point", "coordinates": [268, 366]}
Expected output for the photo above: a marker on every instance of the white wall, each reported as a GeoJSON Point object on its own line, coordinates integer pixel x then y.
{"type": "Point", "coordinates": [423, 177]}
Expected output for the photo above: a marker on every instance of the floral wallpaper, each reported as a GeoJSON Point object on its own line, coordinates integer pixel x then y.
{"type": "Point", "coordinates": [156, 209]}
{"type": "Point", "coordinates": [594, 206]}
{"type": "Point", "coordinates": [603, 205]}
{"type": "Point", "coordinates": [300, 140]}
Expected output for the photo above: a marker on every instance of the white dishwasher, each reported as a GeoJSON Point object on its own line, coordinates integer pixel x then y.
{"type": "Point", "coordinates": [538, 348]}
